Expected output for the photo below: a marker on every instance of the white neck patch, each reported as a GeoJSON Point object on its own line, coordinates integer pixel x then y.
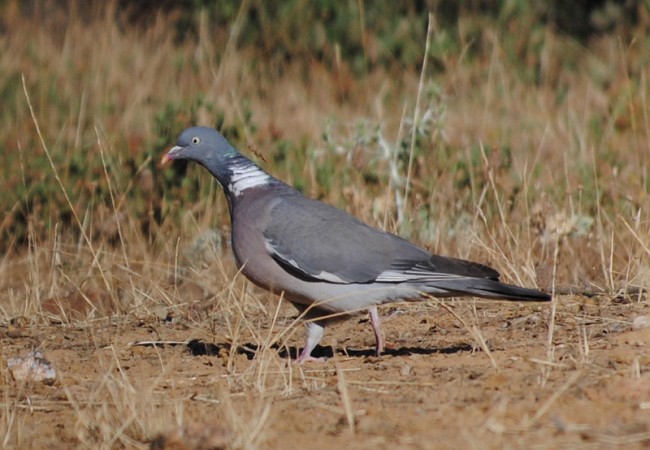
{"type": "Point", "coordinates": [245, 177]}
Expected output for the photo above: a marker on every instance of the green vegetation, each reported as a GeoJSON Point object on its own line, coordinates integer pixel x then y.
{"type": "Point", "coordinates": [512, 110]}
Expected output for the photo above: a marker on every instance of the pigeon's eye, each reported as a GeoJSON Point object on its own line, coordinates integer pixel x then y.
{"type": "Point", "coordinates": [196, 140]}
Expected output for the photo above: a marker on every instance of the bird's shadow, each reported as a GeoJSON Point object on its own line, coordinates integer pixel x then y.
{"type": "Point", "coordinates": [198, 347]}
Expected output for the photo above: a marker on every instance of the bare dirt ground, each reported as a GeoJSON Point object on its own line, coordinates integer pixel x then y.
{"type": "Point", "coordinates": [434, 388]}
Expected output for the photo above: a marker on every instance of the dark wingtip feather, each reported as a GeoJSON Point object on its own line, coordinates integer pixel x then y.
{"type": "Point", "coordinates": [495, 289]}
{"type": "Point", "coordinates": [492, 289]}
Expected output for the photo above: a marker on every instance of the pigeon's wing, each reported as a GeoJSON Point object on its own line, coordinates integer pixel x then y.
{"type": "Point", "coordinates": [436, 268]}
{"type": "Point", "coordinates": [317, 242]}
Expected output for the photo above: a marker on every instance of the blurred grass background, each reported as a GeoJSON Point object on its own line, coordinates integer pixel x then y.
{"type": "Point", "coordinates": [532, 135]}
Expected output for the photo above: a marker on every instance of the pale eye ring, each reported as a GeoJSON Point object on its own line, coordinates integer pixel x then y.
{"type": "Point", "coordinates": [196, 140]}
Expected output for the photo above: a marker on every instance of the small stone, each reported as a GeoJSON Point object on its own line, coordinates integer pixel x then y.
{"type": "Point", "coordinates": [406, 370]}
{"type": "Point", "coordinates": [32, 367]}
{"type": "Point", "coordinates": [641, 322]}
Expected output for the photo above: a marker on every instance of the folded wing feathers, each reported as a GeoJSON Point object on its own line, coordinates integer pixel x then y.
{"type": "Point", "coordinates": [288, 262]}
{"type": "Point", "coordinates": [275, 254]}
{"type": "Point", "coordinates": [414, 275]}
{"type": "Point", "coordinates": [398, 273]}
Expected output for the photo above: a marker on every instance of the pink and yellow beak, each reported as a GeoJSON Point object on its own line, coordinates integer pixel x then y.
{"type": "Point", "coordinates": [169, 155]}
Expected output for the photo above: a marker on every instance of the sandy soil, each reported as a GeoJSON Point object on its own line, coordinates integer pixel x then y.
{"type": "Point", "coordinates": [434, 388]}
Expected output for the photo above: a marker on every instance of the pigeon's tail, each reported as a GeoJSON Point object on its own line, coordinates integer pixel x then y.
{"type": "Point", "coordinates": [489, 288]}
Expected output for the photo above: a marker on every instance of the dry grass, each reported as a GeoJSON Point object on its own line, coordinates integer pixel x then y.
{"type": "Point", "coordinates": [546, 181]}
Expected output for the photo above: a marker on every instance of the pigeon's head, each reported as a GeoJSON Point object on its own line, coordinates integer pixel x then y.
{"type": "Point", "coordinates": [203, 145]}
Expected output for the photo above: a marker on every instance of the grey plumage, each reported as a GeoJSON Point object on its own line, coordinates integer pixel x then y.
{"type": "Point", "coordinates": [325, 261]}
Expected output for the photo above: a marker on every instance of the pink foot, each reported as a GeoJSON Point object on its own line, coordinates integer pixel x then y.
{"type": "Point", "coordinates": [314, 334]}
{"type": "Point", "coordinates": [306, 357]}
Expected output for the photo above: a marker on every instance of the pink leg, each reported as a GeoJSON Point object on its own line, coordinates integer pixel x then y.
{"type": "Point", "coordinates": [376, 327]}
{"type": "Point", "coordinates": [315, 332]}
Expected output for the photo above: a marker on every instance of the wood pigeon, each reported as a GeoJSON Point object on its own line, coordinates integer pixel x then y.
{"type": "Point", "coordinates": [327, 263]}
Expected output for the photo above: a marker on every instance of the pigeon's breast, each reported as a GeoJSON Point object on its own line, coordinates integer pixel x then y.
{"type": "Point", "coordinates": [250, 216]}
